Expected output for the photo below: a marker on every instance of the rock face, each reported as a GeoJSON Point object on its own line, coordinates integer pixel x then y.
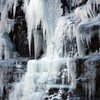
{"type": "Point", "coordinates": [19, 33]}
{"type": "Point", "coordinates": [88, 73]}
{"type": "Point", "coordinates": [88, 36]}
{"type": "Point", "coordinates": [11, 71]}
{"type": "Point", "coordinates": [87, 68]}
{"type": "Point", "coordinates": [87, 77]}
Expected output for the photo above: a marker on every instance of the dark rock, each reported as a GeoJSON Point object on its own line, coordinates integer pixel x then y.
{"type": "Point", "coordinates": [81, 73]}
{"type": "Point", "coordinates": [19, 33]}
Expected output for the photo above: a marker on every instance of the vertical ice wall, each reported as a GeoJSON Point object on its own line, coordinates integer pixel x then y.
{"type": "Point", "coordinates": [71, 68]}
{"type": "Point", "coordinates": [86, 32]}
{"type": "Point", "coordinates": [45, 12]}
{"type": "Point", "coordinates": [90, 73]}
{"type": "Point", "coordinates": [45, 70]}
{"type": "Point", "coordinates": [40, 72]}
{"type": "Point", "coordinates": [88, 77]}
{"type": "Point", "coordinates": [67, 26]}
{"type": "Point", "coordinates": [86, 13]}
{"type": "Point", "coordinates": [34, 85]}
{"type": "Point", "coordinates": [6, 25]}
{"type": "Point", "coordinates": [6, 47]}
{"type": "Point", "coordinates": [81, 16]}
{"type": "Point", "coordinates": [5, 7]}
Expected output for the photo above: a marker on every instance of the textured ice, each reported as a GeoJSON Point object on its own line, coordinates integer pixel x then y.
{"type": "Point", "coordinates": [71, 68]}
{"type": "Point", "coordinates": [6, 47]}
{"type": "Point", "coordinates": [90, 86]}
{"type": "Point", "coordinates": [6, 25]}
{"type": "Point", "coordinates": [37, 11]}
{"type": "Point", "coordinates": [6, 6]}
{"type": "Point", "coordinates": [55, 31]}
{"type": "Point", "coordinates": [77, 2]}
{"type": "Point", "coordinates": [86, 30]}
{"type": "Point", "coordinates": [39, 73]}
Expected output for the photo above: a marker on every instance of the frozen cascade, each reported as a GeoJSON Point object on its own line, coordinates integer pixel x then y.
{"type": "Point", "coordinates": [39, 75]}
{"type": "Point", "coordinates": [87, 15]}
{"type": "Point", "coordinates": [6, 25]}
{"type": "Point", "coordinates": [43, 72]}
{"type": "Point", "coordinates": [43, 16]}
{"type": "Point", "coordinates": [6, 47]}
{"type": "Point", "coordinates": [83, 39]}
{"type": "Point", "coordinates": [71, 67]}
{"type": "Point", "coordinates": [90, 86]}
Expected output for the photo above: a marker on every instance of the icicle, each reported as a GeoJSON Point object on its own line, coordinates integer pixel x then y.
{"type": "Point", "coordinates": [45, 70]}
{"type": "Point", "coordinates": [40, 11]}
{"type": "Point", "coordinates": [14, 8]}
{"type": "Point", "coordinates": [83, 39]}
{"type": "Point", "coordinates": [6, 6]}
{"type": "Point", "coordinates": [90, 86]}
{"type": "Point", "coordinates": [87, 11]}
{"type": "Point", "coordinates": [6, 47]}
{"type": "Point", "coordinates": [71, 67]}
{"type": "Point", "coordinates": [77, 2]}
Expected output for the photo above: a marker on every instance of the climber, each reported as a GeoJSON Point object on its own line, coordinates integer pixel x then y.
{"type": "Point", "coordinates": [64, 4]}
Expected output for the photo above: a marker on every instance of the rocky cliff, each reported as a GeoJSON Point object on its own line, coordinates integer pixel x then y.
{"type": "Point", "coordinates": [76, 39]}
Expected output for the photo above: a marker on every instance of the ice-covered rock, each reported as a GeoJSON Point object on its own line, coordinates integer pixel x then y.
{"type": "Point", "coordinates": [11, 71]}
{"type": "Point", "coordinates": [84, 73]}
{"type": "Point", "coordinates": [88, 36]}
{"type": "Point", "coordinates": [6, 47]}
{"type": "Point", "coordinates": [48, 77]}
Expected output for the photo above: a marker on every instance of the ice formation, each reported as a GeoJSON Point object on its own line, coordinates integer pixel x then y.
{"type": "Point", "coordinates": [45, 70]}
{"type": "Point", "coordinates": [6, 25]}
{"type": "Point", "coordinates": [71, 68]}
{"type": "Point", "coordinates": [77, 2]}
{"type": "Point", "coordinates": [6, 47]}
{"type": "Point", "coordinates": [54, 31]}
{"type": "Point", "coordinates": [39, 75]}
{"type": "Point", "coordinates": [86, 30]}
{"type": "Point", "coordinates": [41, 11]}
{"type": "Point", "coordinates": [90, 86]}
{"type": "Point", "coordinates": [86, 14]}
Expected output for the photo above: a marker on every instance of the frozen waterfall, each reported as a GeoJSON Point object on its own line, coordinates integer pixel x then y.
{"type": "Point", "coordinates": [6, 25]}
{"type": "Point", "coordinates": [55, 33]}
